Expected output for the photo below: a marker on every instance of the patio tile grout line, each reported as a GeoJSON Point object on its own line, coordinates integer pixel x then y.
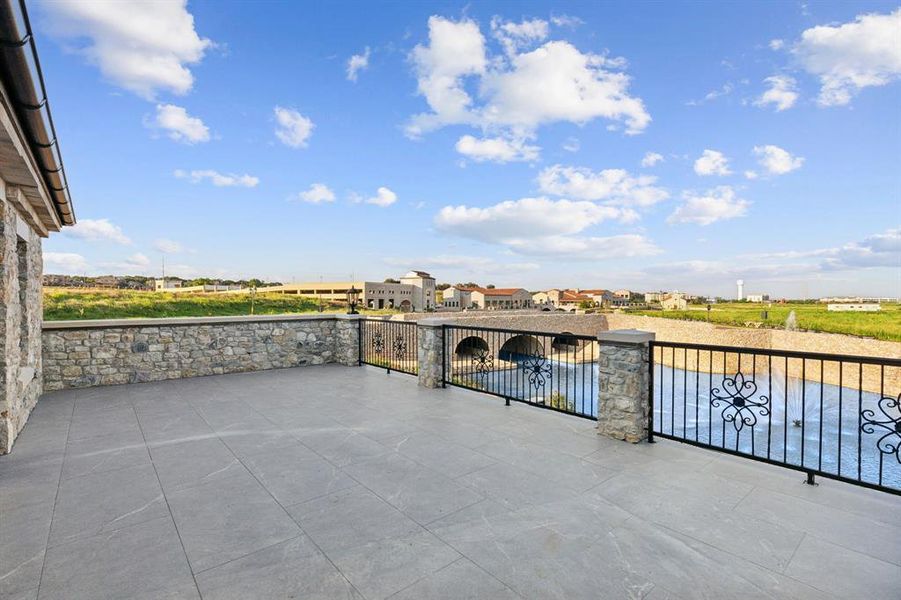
{"type": "Point", "coordinates": [56, 497]}
{"type": "Point", "coordinates": [813, 535]}
{"type": "Point", "coordinates": [166, 499]}
{"type": "Point", "coordinates": [279, 504]}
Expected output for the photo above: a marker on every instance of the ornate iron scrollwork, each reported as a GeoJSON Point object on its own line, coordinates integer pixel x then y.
{"type": "Point", "coordinates": [538, 370]}
{"type": "Point", "coordinates": [482, 362]}
{"type": "Point", "coordinates": [378, 342]}
{"type": "Point", "coordinates": [736, 398]}
{"type": "Point", "coordinates": [400, 346]}
{"type": "Point", "coordinates": [890, 442]}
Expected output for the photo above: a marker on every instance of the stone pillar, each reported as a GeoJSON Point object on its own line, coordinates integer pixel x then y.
{"type": "Point", "coordinates": [20, 317]}
{"type": "Point", "coordinates": [623, 378]}
{"type": "Point", "coordinates": [430, 352]}
{"type": "Point", "coordinates": [347, 340]}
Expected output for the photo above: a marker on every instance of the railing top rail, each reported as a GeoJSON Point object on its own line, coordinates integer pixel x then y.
{"type": "Point", "coordinates": [849, 358]}
{"type": "Point", "coordinates": [387, 320]}
{"type": "Point", "coordinates": [577, 336]}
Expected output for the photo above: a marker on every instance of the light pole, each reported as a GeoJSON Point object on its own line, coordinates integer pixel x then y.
{"type": "Point", "coordinates": [353, 296]}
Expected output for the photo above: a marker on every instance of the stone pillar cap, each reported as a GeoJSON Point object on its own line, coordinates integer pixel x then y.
{"type": "Point", "coordinates": [626, 336]}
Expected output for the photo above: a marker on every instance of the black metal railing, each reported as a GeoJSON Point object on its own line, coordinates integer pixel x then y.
{"type": "Point", "coordinates": [557, 371]}
{"type": "Point", "coordinates": [389, 344]}
{"type": "Point", "coordinates": [822, 414]}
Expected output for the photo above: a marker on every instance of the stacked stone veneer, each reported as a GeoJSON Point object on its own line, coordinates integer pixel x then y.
{"type": "Point", "coordinates": [623, 379]}
{"type": "Point", "coordinates": [84, 354]}
{"type": "Point", "coordinates": [20, 319]}
{"type": "Point", "coordinates": [430, 352]}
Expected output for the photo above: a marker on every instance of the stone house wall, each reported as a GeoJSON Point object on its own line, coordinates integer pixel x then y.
{"type": "Point", "coordinates": [91, 353]}
{"type": "Point", "coordinates": [20, 319]}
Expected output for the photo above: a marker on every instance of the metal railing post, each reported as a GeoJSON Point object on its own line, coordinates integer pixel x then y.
{"type": "Point", "coordinates": [360, 342]}
{"type": "Point", "coordinates": [444, 356]}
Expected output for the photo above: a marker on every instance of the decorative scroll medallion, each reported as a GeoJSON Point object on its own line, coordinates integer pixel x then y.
{"type": "Point", "coordinates": [886, 424]}
{"type": "Point", "coordinates": [739, 406]}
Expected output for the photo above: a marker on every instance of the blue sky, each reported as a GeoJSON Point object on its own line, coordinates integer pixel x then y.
{"type": "Point", "coordinates": [648, 146]}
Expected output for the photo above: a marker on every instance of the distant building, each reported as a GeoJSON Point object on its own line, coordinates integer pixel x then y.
{"type": "Point", "coordinates": [207, 288]}
{"type": "Point", "coordinates": [853, 307]}
{"type": "Point", "coordinates": [622, 294]}
{"type": "Point", "coordinates": [857, 299]}
{"type": "Point", "coordinates": [166, 284]}
{"type": "Point", "coordinates": [757, 297]}
{"type": "Point", "coordinates": [570, 299]}
{"type": "Point", "coordinates": [415, 292]}
{"type": "Point", "coordinates": [479, 298]}
{"type": "Point", "coordinates": [674, 301]}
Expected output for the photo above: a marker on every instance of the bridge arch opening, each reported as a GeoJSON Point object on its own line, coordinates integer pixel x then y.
{"type": "Point", "coordinates": [471, 345]}
{"type": "Point", "coordinates": [566, 342]}
{"type": "Point", "coordinates": [521, 346]}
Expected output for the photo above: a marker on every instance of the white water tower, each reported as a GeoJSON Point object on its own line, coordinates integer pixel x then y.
{"type": "Point", "coordinates": [741, 288]}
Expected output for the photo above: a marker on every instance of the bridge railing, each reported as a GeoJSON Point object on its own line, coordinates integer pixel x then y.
{"type": "Point", "coordinates": [391, 345]}
{"type": "Point", "coordinates": [557, 371]}
{"type": "Point", "coordinates": [830, 415]}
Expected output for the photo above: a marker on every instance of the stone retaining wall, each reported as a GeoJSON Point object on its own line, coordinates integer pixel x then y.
{"type": "Point", "coordinates": [90, 353]}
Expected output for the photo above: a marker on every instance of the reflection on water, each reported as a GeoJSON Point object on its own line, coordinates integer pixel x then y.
{"type": "Point", "coordinates": [798, 423]}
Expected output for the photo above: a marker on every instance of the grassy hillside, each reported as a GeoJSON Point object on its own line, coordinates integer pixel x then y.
{"type": "Point", "coordinates": [884, 325]}
{"type": "Point", "coordinates": [71, 304]}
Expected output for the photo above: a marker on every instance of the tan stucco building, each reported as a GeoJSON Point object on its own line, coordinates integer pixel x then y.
{"type": "Point", "coordinates": [414, 293]}
{"type": "Point", "coordinates": [479, 298]}
{"type": "Point", "coordinates": [34, 202]}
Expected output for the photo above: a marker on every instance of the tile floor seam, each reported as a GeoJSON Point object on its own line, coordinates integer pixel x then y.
{"type": "Point", "coordinates": [55, 500]}
{"type": "Point", "coordinates": [166, 500]}
{"type": "Point", "coordinates": [462, 557]}
{"type": "Point", "coordinates": [300, 535]}
{"type": "Point", "coordinates": [285, 510]}
{"type": "Point", "coordinates": [733, 555]}
{"type": "Point", "coordinates": [814, 535]}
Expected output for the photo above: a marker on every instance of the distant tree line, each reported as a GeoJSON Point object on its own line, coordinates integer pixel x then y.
{"type": "Point", "coordinates": [141, 282]}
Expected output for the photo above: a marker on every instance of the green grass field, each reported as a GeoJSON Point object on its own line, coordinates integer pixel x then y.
{"type": "Point", "coordinates": [883, 325]}
{"type": "Point", "coordinates": [62, 304]}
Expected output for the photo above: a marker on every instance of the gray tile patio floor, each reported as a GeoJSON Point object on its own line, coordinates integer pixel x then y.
{"type": "Point", "coordinates": [335, 482]}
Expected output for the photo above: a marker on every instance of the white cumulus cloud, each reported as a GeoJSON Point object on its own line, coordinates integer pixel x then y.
{"type": "Point", "coordinates": [357, 63]}
{"type": "Point", "coordinates": [651, 158]}
{"type": "Point", "coordinates": [218, 179]}
{"type": "Point", "coordinates": [496, 149]}
{"type": "Point", "coordinates": [878, 250]}
{"type": "Point", "coordinates": [538, 217]}
{"type": "Point", "coordinates": [180, 126]}
{"type": "Point", "coordinates": [541, 226]}
{"type": "Point", "coordinates": [613, 186]}
{"type": "Point", "coordinates": [781, 93]}
{"type": "Point", "coordinates": [383, 197]}
{"type": "Point", "coordinates": [97, 230]}
{"type": "Point", "coordinates": [516, 36]}
{"type": "Point", "coordinates": [587, 247]}
{"type": "Point", "coordinates": [712, 162]}
{"type": "Point", "coordinates": [317, 194]}
{"type": "Point", "coordinates": [65, 263]}
{"type": "Point", "coordinates": [846, 58]}
{"type": "Point", "coordinates": [518, 91]}
{"type": "Point", "coordinates": [720, 203]}
{"type": "Point", "coordinates": [144, 47]}
{"type": "Point", "coordinates": [777, 161]}
{"type": "Point", "coordinates": [293, 129]}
